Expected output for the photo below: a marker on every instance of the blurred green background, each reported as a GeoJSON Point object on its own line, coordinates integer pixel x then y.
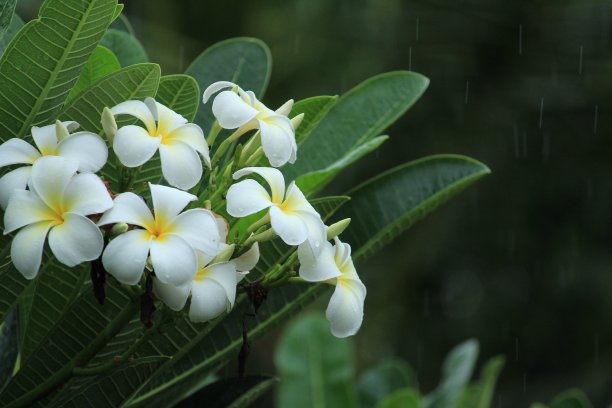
{"type": "Point", "coordinates": [523, 260]}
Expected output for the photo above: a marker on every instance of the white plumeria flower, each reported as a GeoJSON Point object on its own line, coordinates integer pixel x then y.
{"type": "Point", "coordinates": [57, 204]}
{"type": "Point", "coordinates": [178, 142]}
{"type": "Point", "coordinates": [239, 109]}
{"type": "Point", "coordinates": [87, 149]}
{"type": "Point", "coordinates": [213, 289]}
{"type": "Point", "coordinates": [335, 266]}
{"type": "Point", "coordinates": [170, 237]}
{"type": "Point", "coordinates": [291, 215]}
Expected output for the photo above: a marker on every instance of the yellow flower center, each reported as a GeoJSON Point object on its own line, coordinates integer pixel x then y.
{"type": "Point", "coordinates": [201, 275]}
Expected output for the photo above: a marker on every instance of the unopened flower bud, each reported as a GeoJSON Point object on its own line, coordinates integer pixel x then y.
{"type": "Point", "coordinates": [224, 255]}
{"type": "Point", "coordinates": [61, 131]}
{"type": "Point", "coordinates": [109, 124]}
{"type": "Point", "coordinates": [338, 228]}
{"type": "Point", "coordinates": [297, 120]}
{"type": "Point", "coordinates": [285, 109]}
{"type": "Point", "coordinates": [118, 229]}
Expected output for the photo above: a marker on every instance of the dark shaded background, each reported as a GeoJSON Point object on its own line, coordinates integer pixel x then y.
{"type": "Point", "coordinates": [522, 261]}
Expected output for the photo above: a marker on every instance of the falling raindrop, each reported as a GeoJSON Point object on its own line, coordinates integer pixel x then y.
{"type": "Point", "coordinates": [520, 43]}
{"type": "Point", "coordinates": [467, 90]}
{"type": "Point", "coordinates": [580, 61]}
{"type": "Point", "coordinates": [541, 111]}
{"type": "Point", "coordinates": [409, 58]}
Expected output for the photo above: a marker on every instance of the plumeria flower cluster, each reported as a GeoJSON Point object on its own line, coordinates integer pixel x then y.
{"type": "Point", "coordinates": [183, 242]}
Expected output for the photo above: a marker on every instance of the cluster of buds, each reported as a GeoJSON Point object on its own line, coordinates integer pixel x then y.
{"type": "Point", "coordinates": [179, 241]}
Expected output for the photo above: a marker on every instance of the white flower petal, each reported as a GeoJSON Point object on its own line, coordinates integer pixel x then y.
{"type": "Point", "coordinates": [45, 139]}
{"type": "Point", "coordinates": [273, 177]}
{"type": "Point", "coordinates": [222, 226]}
{"type": "Point", "coordinates": [285, 108]}
{"type": "Point", "coordinates": [139, 110]}
{"type": "Point", "coordinates": [342, 253]}
{"type": "Point", "coordinates": [296, 201]}
{"type": "Point", "coordinates": [126, 255]}
{"type": "Point", "coordinates": [247, 197]}
{"type": "Point", "coordinates": [174, 260]}
{"type": "Point", "coordinates": [181, 165]}
{"type": "Point", "coordinates": [76, 240]}
{"type": "Point", "coordinates": [198, 228]}
{"type": "Point", "coordinates": [27, 248]}
{"type": "Point", "coordinates": [134, 146]}
{"type": "Point", "coordinates": [203, 259]}
{"type": "Point", "coordinates": [174, 297]}
{"type": "Point", "coordinates": [208, 300]}
{"type": "Point", "coordinates": [216, 87]}
{"type": "Point", "coordinates": [225, 275]}
{"type": "Point", "coordinates": [86, 194]}
{"type": "Point", "coordinates": [88, 149]}
{"type": "Point", "coordinates": [317, 231]}
{"type": "Point", "coordinates": [276, 139]}
{"type": "Point", "coordinates": [317, 268]}
{"type": "Point", "coordinates": [15, 151]}
{"type": "Point", "coordinates": [168, 201]}
{"type": "Point", "coordinates": [167, 119]}
{"type": "Point", "coordinates": [25, 207]}
{"type": "Point", "coordinates": [345, 309]}
{"type": "Point", "coordinates": [231, 111]}
{"type": "Point", "coordinates": [289, 227]}
{"type": "Point", "coordinates": [128, 208]}
{"type": "Point", "coordinates": [50, 177]}
{"type": "Point", "coordinates": [192, 135]}
{"type": "Point", "coordinates": [248, 260]}
{"type": "Point", "coordinates": [13, 180]}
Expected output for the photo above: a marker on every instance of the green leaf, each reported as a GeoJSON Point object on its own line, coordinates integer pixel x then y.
{"type": "Point", "coordinates": [36, 79]}
{"type": "Point", "coordinates": [456, 373]}
{"type": "Point", "coordinates": [101, 63]}
{"type": "Point", "coordinates": [382, 380]}
{"type": "Point", "coordinates": [81, 332]}
{"type": "Point", "coordinates": [118, 11]}
{"type": "Point", "coordinates": [572, 398]}
{"type": "Point", "coordinates": [134, 82]}
{"type": "Point", "coordinates": [314, 109]}
{"type": "Point", "coordinates": [10, 33]}
{"type": "Point", "coordinates": [312, 182]}
{"type": "Point", "coordinates": [480, 394]}
{"type": "Point", "coordinates": [386, 205]}
{"type": "Point", "coordinates": [7, 10]}
{"type": "Point", "coordinates": [230, 393]}
{"type": "Point", "coordinates": [405, 398]}
{"type": "Point", "coordinates": [360, 115]}
{"type": "Point", "coordinates": [245, 61]}
{"type": "Point", "coordinates": [126, 47]}
{"type": "Point", "coordinates": [316, 369]}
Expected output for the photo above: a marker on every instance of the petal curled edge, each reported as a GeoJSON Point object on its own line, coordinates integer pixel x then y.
{"type": "Point", "coordinates": [128, 208]}
{"type": "Point", "coordinates": [137, 109]}
{"type": "Point", "coordinates": [345, 308]}
{"type": "Point", "coordinates": [247, 197]}
{"type": "Point", "coordinates": [174, 297]}
{"type": "Point", "coordinates": [168, 202]}
{"type": "Point", "coordinates": [75, 241]}
{"type": "Point", "coordinates": [317, 268]}
{"type": "Point", "coordinates": [248, 260]}
{"type": "Point", "coordinates": [125, 256]}
{"type": "Point", "coordinates": [50, 177]}
{"type": "Point", "coordinates": [27, 248]}
{"type": "Point", "coordinates": [17, 151]}
{"type": "Point", "coordinates": [198, 228]}
{"type": "Point", "coordinates": [277, 138]}
{"type": "Point", "coordinates": [86, 194]}
{"type": "Point", "coordinates": [167, 119]}
{"type": "Point", "coordinates": [216, 87]}
{"type": "Point", "coordinates": [273, 177]}
{"type": "Point", "coordinates": [192, 135]}
{"type": "Point", "coordinates": [289, 227]}
{"type": "Point", "coordinates": [25, 207]}
{"type": "Point", "coordinates": [231, 110]}
{"type": "Point", "coordinates": [208, 300]}
{"type": "Point", "coordinates": [45, 139]}
{"type": "Point", "coordinates": [86, 148]}
{"type": "Point", "coordinates": [173, 259]}
{"type": "Point", "coordinates": [225, 275]}
{"type": "Point", "coordinates": [181, 165]}
{"type": "Point", "coordinates": [134, 146]}
{"type": "Point", "coordinates": [13, 180]}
